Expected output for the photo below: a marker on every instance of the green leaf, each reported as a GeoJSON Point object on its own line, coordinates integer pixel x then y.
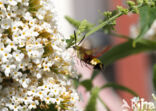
{"type": "Point", "coordinates": [91, 106]}
{"type": "Point", "coordinates": [154, 76]}
{"type": "Point", "coordinates": [147, 17]}
{"type": "Point", "coordinates": [84, 26]}
{"type": "Point", "coordinates": [73, 22]}
{"type": "Point", "coordinates": [126, 49]}
{"type": "Point", "coordinates": [87, 84]}
{"type": "Point", "coordinates": [70, 41]}
{"type": "Point", "coordinates": [119, 87]}
{"type": "Point", "coordinates": [76, 83]}
{"type": "Point", "coordinates": [94, 74]}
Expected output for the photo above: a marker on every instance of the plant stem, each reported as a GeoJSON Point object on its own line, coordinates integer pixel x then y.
{"type": "Point", "coordinates": [121, 36]}
{"type": "Point", "coordinates": [96, 28]}
{"type": "Point", "coordinates": [103, 103]}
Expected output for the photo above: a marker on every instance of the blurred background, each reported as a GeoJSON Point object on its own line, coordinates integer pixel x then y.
{"type": "Point", "coordinates": [135, 71]}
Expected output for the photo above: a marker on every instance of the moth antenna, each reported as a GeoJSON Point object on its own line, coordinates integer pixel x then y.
{"type": "Point", "coordinates": [82, 39]}
{"type": "Point", "coordinates": [75, 37]}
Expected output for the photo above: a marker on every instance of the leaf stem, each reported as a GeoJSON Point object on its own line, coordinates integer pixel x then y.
{"type": "Point", "coordinates": [103, 103]}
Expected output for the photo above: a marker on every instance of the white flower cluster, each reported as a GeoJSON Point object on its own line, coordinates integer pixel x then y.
{"type": "Point", "coordinates": [33, 62]}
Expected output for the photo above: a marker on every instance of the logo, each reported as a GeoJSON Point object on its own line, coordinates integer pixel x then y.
{"type": "Point", "coordinates": [138, 104]}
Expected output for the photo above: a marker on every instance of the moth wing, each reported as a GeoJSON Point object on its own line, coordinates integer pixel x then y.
{"type": "Point", "coordinates": [97, 52]}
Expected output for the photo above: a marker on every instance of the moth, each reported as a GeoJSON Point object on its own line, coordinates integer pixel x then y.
{"type": "Point", "coordinates": [90, 55]}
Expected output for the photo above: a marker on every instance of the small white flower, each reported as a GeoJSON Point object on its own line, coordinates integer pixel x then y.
{"type": "Point", "coordinates": [49, 100]}
{"type": "Point", "coordinates": [27, 16]}
{"type": "Point", "coordinates": [32, 92]}
{"type": "Point", "coordinates": [58, 100]}
{"type": "Point", "coordinates": [4, 109]}
{"type": "Point", "coordinates": [6, 56]}
{"type": "Point", "coordinates": [2, 48]}
{"type": "Point", "coordinates": [18, 56]}
{"type": "Point", "coordinates": [12, 2]}
{"type": "Point", "coordinates": [11, 45]}
{"type": "Point", "coordinates": [19, 1]}
{"type": "Point", "coordinates": [46, 66]}
{"type": "Point", "coordinates": [16, 75]}
{"type": "Point", "coordinates": [2, 4]}
{"type": "Point", "coordinates": [21, 42]}
{"type": "Point", "coordinates": [2, 12]}
{"type": "Point", "coordinates": [14, 107]}
{"type": "Point", "coordinates": [8, 68]}
{"type": "Point", "coordinates": [27, 100]}
{"type": "Point", "coordinates": [40, 94]}
{"type": "Point", "coordinates": [15, 26]}
{"type": "Point", "coordinates": [24, 81]}
{"type": "Point", "coordinates": [32, 33]}
{"type": "Point", "coordinates": [6, 23]}
{"type": "Point", "coordinates": [39, 75]}
{"type": "Point", "coordinates": [41, 13]}
{"type": "Point", "coordinates": [35, 50]}
{"type": "Point", "coordinates": [55, 89]}
{"type": "Point", "coordinates": [16, 37]}
{"type": "Point", "coordinates": [10, 14]}
{"type": "Point", "coordinates": [33, 105]}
